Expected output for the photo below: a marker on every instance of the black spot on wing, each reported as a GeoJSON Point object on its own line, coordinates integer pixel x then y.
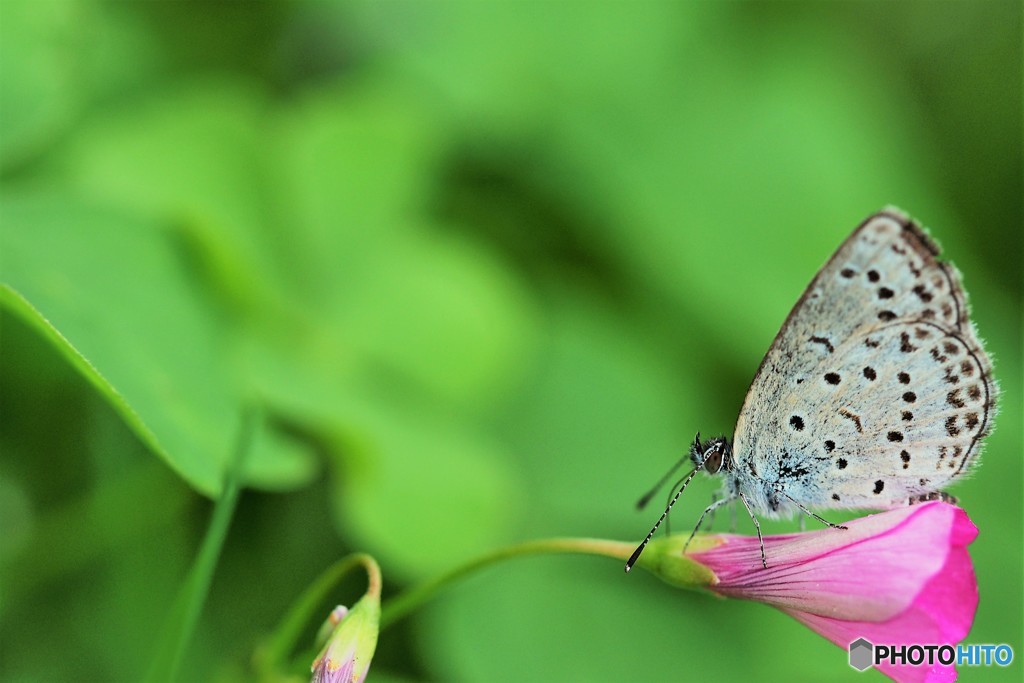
{"type": "Point", "coordinates": [953, 399]}
{"type": "Point", "coordinates": [905, 345]}
{"type": "Point", "coordinates": [824, 341]}
{"type": "Point", "coordinates": [853, 417]}
{"type": "Point", "coordinates": [790, 472]}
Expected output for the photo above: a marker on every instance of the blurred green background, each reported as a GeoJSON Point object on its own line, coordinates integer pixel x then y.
{"type": "Point", "coordinates": [490, 266]}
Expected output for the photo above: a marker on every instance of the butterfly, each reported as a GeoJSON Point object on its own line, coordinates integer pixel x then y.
{"type": "Point", "coordinates": [877, 391]}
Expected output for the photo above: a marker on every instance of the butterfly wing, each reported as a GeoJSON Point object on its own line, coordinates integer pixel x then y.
{"type": "Point", "coordinates": [877, 387]}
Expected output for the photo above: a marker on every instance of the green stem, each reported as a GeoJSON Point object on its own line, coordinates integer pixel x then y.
{"type": "Point", "coordinates": [272, 655]}
{"type": "Point", "coordinates": [413, 598]}
{"type": "Point", "coordinates": [184, 616]}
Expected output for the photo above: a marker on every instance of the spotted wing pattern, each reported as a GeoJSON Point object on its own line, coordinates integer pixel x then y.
{"type": "Point", "coordinates": [876, 388]}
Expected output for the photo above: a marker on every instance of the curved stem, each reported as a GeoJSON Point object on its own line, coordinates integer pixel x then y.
{"type": "Point", "coordinates": [282, 642]}
{"type": "Point", "coordinates": [400, 606]}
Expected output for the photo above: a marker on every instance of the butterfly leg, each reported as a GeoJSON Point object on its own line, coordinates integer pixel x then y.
{"type": "Point", "coordinates": [668, 520]}
{"type": "Point", "coordinates": [934, 495]}
{"type": "Point", "coordinates": [732, 519]}
{"type": "Point", "coordinates": [712, 508]}
{"type": "Point", "coordinates": [811, 514]}
{"type": "Point", "coordinates": [757, 526]}
{"type": "Point", "coordinates": [716, 503]}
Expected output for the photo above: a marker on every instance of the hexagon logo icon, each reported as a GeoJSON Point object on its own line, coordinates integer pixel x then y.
{"type": "Point", "coordinates": [861, 654]}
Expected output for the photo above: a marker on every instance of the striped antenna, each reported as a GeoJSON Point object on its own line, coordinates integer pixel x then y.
{"type": "Point", "coordinates": [636, 553]}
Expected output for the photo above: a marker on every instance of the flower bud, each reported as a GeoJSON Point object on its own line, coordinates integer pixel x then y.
{"type": "Point", "coordinates": [345, 658]}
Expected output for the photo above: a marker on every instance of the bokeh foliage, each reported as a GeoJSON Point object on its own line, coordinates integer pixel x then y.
{"type": "Point", "coordinates": [488, 266]}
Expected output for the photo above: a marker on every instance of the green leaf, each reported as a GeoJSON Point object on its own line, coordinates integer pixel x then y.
{"type": "Point", "coordinates": [18, 305]}
{"type": "Point", "coordinates": [602, 421]}
{"type": "Point", "coordinates": [510, 66]}
{"type": "Point", "coordinates": [719, 164]}
{"type": "Point", "coordinates": [354, 166]}
{"type": "Point", "coordinates": [411, 482]}
{"type": "Point", "coordinates": [357, 171]}
{"type": "Point", "coordinates": [422, 495]}
{"type": "Point", "coordinates": [40, 88]}
{"type": "Point", "coordinates": [443, 313]}
{"type": "Point", "coordinates": [191, 154]}
{"type": "Point", "coordinates": [109, 292]}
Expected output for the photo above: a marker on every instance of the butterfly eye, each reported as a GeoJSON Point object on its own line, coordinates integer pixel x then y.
{"type": "Point", "coordinates": [713, 458]}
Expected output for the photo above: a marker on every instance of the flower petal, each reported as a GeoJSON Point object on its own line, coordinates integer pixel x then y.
{"type": "Point", "coordinates": [870, 572]}
{"type": "Point", "coordinates": [940, 614]}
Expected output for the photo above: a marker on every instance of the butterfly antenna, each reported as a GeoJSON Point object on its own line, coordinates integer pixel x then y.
{"type": "Point", "coordinates": [646, 498]}
{"type": "Point", "coordinates": [636, 553]}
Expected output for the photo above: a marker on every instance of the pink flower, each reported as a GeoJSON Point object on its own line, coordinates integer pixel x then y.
{"type": "Point", "coordinates": [898, 577]}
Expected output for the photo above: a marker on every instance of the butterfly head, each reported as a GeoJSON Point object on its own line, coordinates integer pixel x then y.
{"type": "Point", "coordinates": [712, 454]}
